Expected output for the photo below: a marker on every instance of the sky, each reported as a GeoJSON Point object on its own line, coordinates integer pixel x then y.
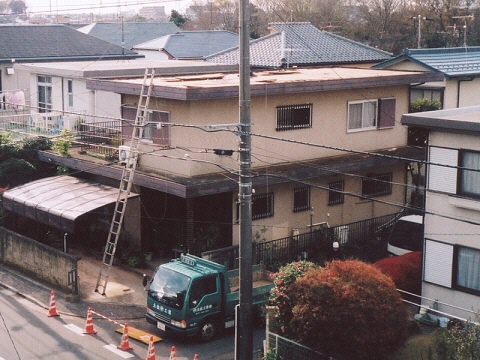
{"type": "Point", "coordinates": [99, 6]}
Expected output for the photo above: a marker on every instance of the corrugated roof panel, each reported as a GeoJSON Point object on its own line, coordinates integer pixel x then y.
{"type": "Point", "coordinates": [58, 201]}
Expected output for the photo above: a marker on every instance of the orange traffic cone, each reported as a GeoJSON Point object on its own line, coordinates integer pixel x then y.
{"type": "Point", "coordinates": [173, 353]}
{"type": "Point", "coordinates": [151, 350]}
{"type": "Point", "coordinates": [89, 326]}
{"type": "Point", "coordinates": [53, 307]}
{"type": "Point", "coordinates": [124, 344]}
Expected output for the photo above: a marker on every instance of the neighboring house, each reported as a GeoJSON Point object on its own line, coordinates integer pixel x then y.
{"type": "Point", "coordinates": [62, 87]}
{"type": "Point", "coordinates": [128, 34]}
{"type": "Point", "coordinates": [187, 45]}
{"type": "Point", "coordinates": [451, 271]}
{"type": "Point", "coordinates": [47, 43]}
{"type": "Point", "coordinates": [302, 118]}
{"type": "Point", "coordinates": [459, 66]}
{"type": "Point", "coordinates": [302, 44]}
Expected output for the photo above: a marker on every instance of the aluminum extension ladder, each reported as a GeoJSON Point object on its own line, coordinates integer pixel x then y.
{"type": "Point", "coordinates": [125, 183]}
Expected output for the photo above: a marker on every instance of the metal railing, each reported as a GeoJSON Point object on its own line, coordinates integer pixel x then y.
{"type": "Point", "coordinates": [285, 348]}
{"type": "Point", "coordinates": [101, 138]}
{"type": "Point", "coordinates": [358, 238]}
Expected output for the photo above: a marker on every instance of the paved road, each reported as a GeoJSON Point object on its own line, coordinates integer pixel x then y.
{"type": "Point", "coordinates": [124, 302]}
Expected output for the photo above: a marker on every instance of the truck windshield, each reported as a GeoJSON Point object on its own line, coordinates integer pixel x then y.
{"type": "Point", "coordinates": [165, 286]}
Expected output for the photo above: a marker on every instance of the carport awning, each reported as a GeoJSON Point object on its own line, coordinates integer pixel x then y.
{"type": "Point", "coordinates": [58, 201]}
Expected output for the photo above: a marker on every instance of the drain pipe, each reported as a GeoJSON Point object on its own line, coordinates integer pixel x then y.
{"type": "Point", "coordinates": [460, 80]}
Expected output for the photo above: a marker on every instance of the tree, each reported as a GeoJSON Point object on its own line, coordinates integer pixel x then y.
{"type": "Point", "coordinates": [17, 6]}
{"type": "Point", "coordinates": [177, 18]}
{"type": "Point", "coordinates": [347, 310]}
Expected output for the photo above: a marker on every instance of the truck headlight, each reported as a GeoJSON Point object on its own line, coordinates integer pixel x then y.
{"type": "Point", "coordinates": [150, 311]}
{"type": "Point", "coordinates": [179, 323]}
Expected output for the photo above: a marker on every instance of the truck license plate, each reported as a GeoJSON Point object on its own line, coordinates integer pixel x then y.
{"type": "Point", "coordinates": [161, 326]}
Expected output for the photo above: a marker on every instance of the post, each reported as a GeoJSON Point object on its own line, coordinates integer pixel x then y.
{"type": "Point", "coordinates": [244, 336]}
{"type": "Point", "coordinates": [311, 223]}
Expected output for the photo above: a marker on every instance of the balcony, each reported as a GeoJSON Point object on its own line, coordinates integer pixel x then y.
{"type": "Point", "coordinates": [100, 138]}
{"type": "Point", "coordinates": [23, 123]}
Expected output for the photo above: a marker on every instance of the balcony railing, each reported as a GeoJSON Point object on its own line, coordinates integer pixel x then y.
{"type": "Point", "coordinates": [102, 138]}
{"type": "Point", "coordinates": [23, 123]}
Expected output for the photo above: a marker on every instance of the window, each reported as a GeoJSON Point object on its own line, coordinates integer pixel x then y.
{"type": "Point", "coordinates": [362, 115]}
{"type": "Point", "coordinates": [262, 206]}
{"type": "Point", "coordinates": [467, 270]}
{"type": "Point", "coordinates": [335, 193]}
{"type": "Point", "coordinates": [376, 185]}
{"type": "Point", "coordinates": [152, 133]}
{"type": "Point", "coordinates": [426, 93]}
{"type": "Point", "coordinates": [301, 199]}
{"type": "Point", "coordinates": [200, 288]}
{"type": "Point", "coordinates": [70, 92]}
{"type": "Point", "coordinates": [291, 117]}
{"type": "Point", "coordinates": [44, 93]}
{"type": "Point", "coordinates": [469, 180]}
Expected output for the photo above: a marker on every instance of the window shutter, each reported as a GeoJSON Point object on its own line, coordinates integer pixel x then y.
{"type": "Point", "coordinates": [441, 178]}
{"type": "Point", "coordinates": [128, 113]}
{"type": "Point", "coordinates": [386, 112]}
{"type": "Point", "coordinates": [438, 263]}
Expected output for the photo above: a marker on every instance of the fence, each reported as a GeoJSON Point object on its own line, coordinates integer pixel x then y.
{"type": "Point", "coordinates": [361, 239]}
{"type": "Point", "coordinates": [101, 138]}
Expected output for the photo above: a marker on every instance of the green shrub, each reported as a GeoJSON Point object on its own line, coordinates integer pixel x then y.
{"type": "Point", "coordinates": [280, 295]}
{"type": "Point", "coordinates": [458, 343]}
{"type": "Point", "coordinates": [347, 310]}
{"type": "Point", "coordinates": [424, 105]}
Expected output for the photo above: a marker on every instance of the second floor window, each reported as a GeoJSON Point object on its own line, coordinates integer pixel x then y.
{"type": "Point", "coordinates": [362, 115]}
{"type": "Point", "coordinates": [377, 185]}
{"type": "Point", "coordinates": [44, 84]}
{"type": "Point", "coordinates": [262, 206]}
{"type": "Point", "coordinates": [469, 180]}
{"type": "Point", "coordinates": [153, 133]}
{"type": "Point", "coordinates": [291, 117]}
{"type": "Point", "coordinates": [467, 269]}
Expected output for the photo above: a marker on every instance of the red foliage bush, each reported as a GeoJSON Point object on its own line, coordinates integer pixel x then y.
{"type": "Point", "coordinates": [405, 271]}
{"type": "Point", "coordinates": [348, 310]}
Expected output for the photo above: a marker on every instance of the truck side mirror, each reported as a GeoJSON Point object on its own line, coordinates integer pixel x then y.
{"type": "Point", "coordinates": [144, 280]}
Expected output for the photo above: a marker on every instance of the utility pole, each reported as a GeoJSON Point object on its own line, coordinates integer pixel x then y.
{"type": "Point", "coordinates": [244, 333]}
{"type": "Point", "coordinates": [420, 18]}
{"type": "Point", "coordinates": [465, 18]}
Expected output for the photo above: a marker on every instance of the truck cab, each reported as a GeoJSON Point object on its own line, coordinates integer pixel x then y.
{"type": "Point", "coordinates": [183, 294]}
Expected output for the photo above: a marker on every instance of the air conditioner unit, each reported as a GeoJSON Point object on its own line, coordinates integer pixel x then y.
{"type": "Point", "coordinates": [124, 154]}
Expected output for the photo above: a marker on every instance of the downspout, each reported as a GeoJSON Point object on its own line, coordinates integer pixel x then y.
{"type": "Point", "coordinates": [63, 96]}
{"type": "Point", "coordinates": [458, 88]}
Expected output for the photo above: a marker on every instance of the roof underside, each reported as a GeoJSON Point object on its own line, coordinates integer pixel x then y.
{"type": "Point", "coordinates": [202, 185]}
{"type": "Point", "coordinates": [58, 201]}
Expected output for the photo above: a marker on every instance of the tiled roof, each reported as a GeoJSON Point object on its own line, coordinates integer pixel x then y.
{"type": "Point", "coordinates": [302, 44]}
{"type": "Point", "coordinates": [54, 43]}
{"type": "Point", "coordinates": [453, 62]}
{"type": "Point", "coordinates": [192, 44]}
{"type": "Point", "coordinates": [133, 32]}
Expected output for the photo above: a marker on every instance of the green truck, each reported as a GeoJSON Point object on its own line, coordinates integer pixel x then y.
{"type": "Point", "coordinates": [191, 296]}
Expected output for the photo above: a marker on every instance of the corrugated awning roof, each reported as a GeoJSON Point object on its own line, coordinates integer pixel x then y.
{"type": "Point", "coordinates": [58, 201]}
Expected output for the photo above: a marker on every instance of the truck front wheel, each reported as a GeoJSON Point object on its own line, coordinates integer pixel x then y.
{"type": "Point", "coordinates": [208, 330]}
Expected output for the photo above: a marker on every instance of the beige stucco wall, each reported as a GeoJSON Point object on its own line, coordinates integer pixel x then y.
{"type": "Point", "coordinates": [329, 128]}
{"type": "Point", "coordinates": [447, 230]}
{"type": "Point", "coordinates": [285, 220]}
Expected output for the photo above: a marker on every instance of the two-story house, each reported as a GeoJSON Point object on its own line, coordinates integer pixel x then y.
{"type": "Point", "coordinates": [326, 148]}
{"type": "Point", "coordinates": [451, 265]}
{"type": "Point", "coordinates": [460, 68]}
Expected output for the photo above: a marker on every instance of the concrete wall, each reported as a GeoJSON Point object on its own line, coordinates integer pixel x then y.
{"type": "Point", "coordinates": [36, 260]}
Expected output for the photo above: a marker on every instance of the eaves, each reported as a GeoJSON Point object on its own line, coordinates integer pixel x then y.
{"type": "Point", "coordinates": [189, 93]}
